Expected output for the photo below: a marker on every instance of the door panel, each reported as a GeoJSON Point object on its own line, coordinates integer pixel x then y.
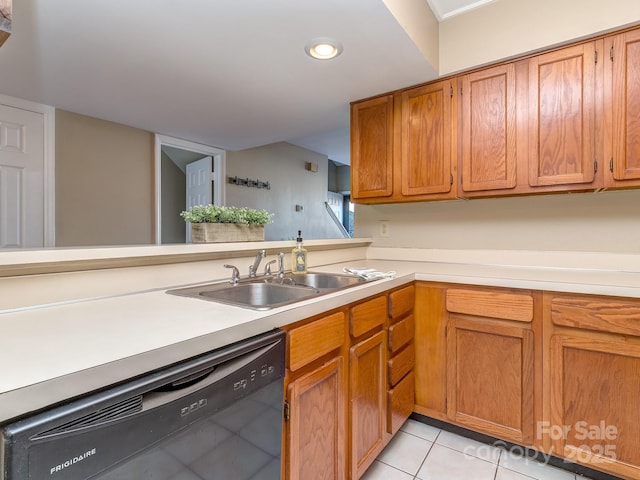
{"type": "Point", "coordinates": [426, 139]}
{"type": "Point", "coordinates": [562, 105]}
{"type": "Point", "coordinates": [199, 186]}
{"type": "Point", "coordinates": [316, 428]}
{"type": "Point", "coordinates": [21, 178]}
{"type": "Point", "coordinates": [625, 91]}
{"type": "Point", "coordinates": [372, 148]}
{"type": "Point", "coordinates": [594, 388]}
{"type": "Point", "coordinates": [489, 129]}
{"type": "Point", "coordinates": [368, 393]}
{"type": "Point", "coordinates": [490, 378]}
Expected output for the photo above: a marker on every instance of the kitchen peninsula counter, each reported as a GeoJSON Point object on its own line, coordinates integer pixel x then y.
{"type": "Point", "coordinates": [65, 345]}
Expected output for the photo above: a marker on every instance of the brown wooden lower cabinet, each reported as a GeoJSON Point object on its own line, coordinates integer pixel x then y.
{"type": "Point", "coordinates": [490, 361]}
{"type": "Point", "coordinates": [368, 392]}
{"type": "Point", "coordinates": [594, 381]}
{"type": "Point", "coordinates": [343, 406]}
{"type": "Point", "coordinates": [475, 350]}
{"type": "Point", "coordinates": [316, 437]}
{"type": "Point", "coordinates": [558, 372]}
{"type": "Point", "coordinates": [315, 432]}
{"type": "Point", "coordinates": [595, 419]}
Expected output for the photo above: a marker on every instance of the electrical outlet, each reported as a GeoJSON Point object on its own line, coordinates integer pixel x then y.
{"type": "Point", "coordinates": [384, 228]}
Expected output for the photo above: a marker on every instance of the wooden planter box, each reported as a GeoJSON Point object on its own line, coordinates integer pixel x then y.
{"type": "Point", "coordinates": [226, 232]}
{"type": "Point", "coordinates": [5, 20]}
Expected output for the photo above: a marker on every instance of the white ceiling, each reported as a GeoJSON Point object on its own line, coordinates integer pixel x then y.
{"type": "Point", "coordinates": [227, 73]}
{"type": "Point", "coordinates": [444, 9]}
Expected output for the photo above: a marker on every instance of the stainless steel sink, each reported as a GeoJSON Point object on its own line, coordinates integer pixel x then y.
{"type": "Point", "coordinates": [332, 281]}
{"type": "Point", "coordinates": [257, 295]}
{"type": "Point", "coordinates": [264, 293]}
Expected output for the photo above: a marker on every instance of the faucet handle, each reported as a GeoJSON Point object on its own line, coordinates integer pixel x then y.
{"type": "Point", "coordinates": [281, 264]}
{"type": "Point", "coordinates": [235, 274]}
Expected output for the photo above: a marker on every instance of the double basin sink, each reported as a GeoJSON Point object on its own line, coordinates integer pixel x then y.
{"type": "Point", "coordinates": [265, 293]}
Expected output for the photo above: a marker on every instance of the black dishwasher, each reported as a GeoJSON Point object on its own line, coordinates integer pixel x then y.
{"type": "Point", "coordinates": [214, 417]}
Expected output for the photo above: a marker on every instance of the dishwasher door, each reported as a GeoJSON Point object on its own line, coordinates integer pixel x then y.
{"type": "Point", "coordinates": [214, 417]}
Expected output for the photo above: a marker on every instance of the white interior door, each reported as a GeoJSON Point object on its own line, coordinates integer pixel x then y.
{"type": "Point", "coordinates": [199, 186]}
{"type": "Point", "coordinates": [21, 178]}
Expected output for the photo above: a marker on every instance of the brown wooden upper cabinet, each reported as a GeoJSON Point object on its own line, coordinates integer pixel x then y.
{"type": "Point", "coordinates": [488, 130]}
{"type": "Point", "coordinates": [372, 148]}
{"type": "Point", "coordinates": [565, 120]}
{"type": "Point", "coordinates": [622, 104]}
{"type": "Point", "coordinates": [427, 149]}
{"type": "Point", "coordinates": [403, 145]}
{"type": "Point", "coordinates": [563, 143]}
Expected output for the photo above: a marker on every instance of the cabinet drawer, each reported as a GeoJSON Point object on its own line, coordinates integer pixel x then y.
{"type": "Point", "coordinates": [597, 313]}
{"type": "Point", "coordinates": [368, 315]}
{"type": "Point", "coordinates": [400, 403]}
{"type": "Point", "coordinates": [401, 333]}
{"type": "Point", "coordinates": [401, 302]}
{"type": "Point", "coordinates": [400, 365]}
{"type": "Point", "coordinates": [311, 341]}
{"type": "Point", "coordinates": [494, 304]}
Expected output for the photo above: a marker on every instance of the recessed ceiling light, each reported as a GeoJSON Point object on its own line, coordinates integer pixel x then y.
{"type": "Point", "coordinates": [323, 48]}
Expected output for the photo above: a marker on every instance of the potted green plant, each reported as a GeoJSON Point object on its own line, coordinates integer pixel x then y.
{"type": "Point", "coordinates": [214, 223]}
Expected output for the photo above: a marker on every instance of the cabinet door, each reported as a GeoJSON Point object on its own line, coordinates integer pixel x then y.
{"type": "Point", "coordinates": [562, 109]}
{"type": "Point", "coordinates": [426, 139]}
{"type": "Point", "coordinates": [430, 350]}
{"type": "Point", "coordinates": [623, 89]}
{"type": "Point", "coordinates": [372, 148]}
{"type": "Point", "coordinates": [368, 387]}
{"type": "Point", "coordinates": [595, 385]}
{"type": "Point", "coordinates": [490, 380]}
{"type": "Point", "coordinates": [316, 441]}
{"type": "Point", "coordinates": [489, 129]}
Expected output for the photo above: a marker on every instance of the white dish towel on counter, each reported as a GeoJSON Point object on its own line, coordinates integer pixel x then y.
{"type": "Point", "coordinates": [368, 273]}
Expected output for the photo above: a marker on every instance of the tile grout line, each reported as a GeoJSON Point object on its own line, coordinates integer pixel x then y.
{"type": "Point", "coordinates": [415, 477]}
{"type": "Point", "coordinates": [495, 475]}
{"type": "Point", "coordinates": [421, 438]}
{"type": "Point", "coordinates": [498, 462]}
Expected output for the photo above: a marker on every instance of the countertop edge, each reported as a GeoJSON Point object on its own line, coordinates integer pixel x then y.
{"type": "Point", "coordinates": [37, 262]}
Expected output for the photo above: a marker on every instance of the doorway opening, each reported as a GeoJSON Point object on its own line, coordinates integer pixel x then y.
{"type": "Point", "coordinates": [175, 160]}
{"type": "Point", "coordinates": [339, 196]}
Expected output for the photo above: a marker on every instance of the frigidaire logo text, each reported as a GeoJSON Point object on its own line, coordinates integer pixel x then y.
{"type": "Point", "coordinates": [72, 461]}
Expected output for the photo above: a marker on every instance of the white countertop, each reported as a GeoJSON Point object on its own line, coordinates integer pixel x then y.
{"type": "Point", "coordinates": [50, 353]}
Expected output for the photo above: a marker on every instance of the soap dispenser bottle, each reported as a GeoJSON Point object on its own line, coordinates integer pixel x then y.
{"type": "Point", "coordinates": [299, 256]}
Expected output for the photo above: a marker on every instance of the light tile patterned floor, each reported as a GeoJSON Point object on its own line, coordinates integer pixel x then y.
{"type": "Point", "coordinates": [423, 452]}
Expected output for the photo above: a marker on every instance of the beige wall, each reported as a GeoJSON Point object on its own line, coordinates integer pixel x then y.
{"type": "Point", "coordinates": [421, 25]}
{"type": "Point", "coordinates": [597, 222]}
{"type": "Point", "coordinates": [507, 28]}
{"type": "Point", "coordinates": [282, 165]}
{"type": "Point", "coordinates": [104, 182]}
